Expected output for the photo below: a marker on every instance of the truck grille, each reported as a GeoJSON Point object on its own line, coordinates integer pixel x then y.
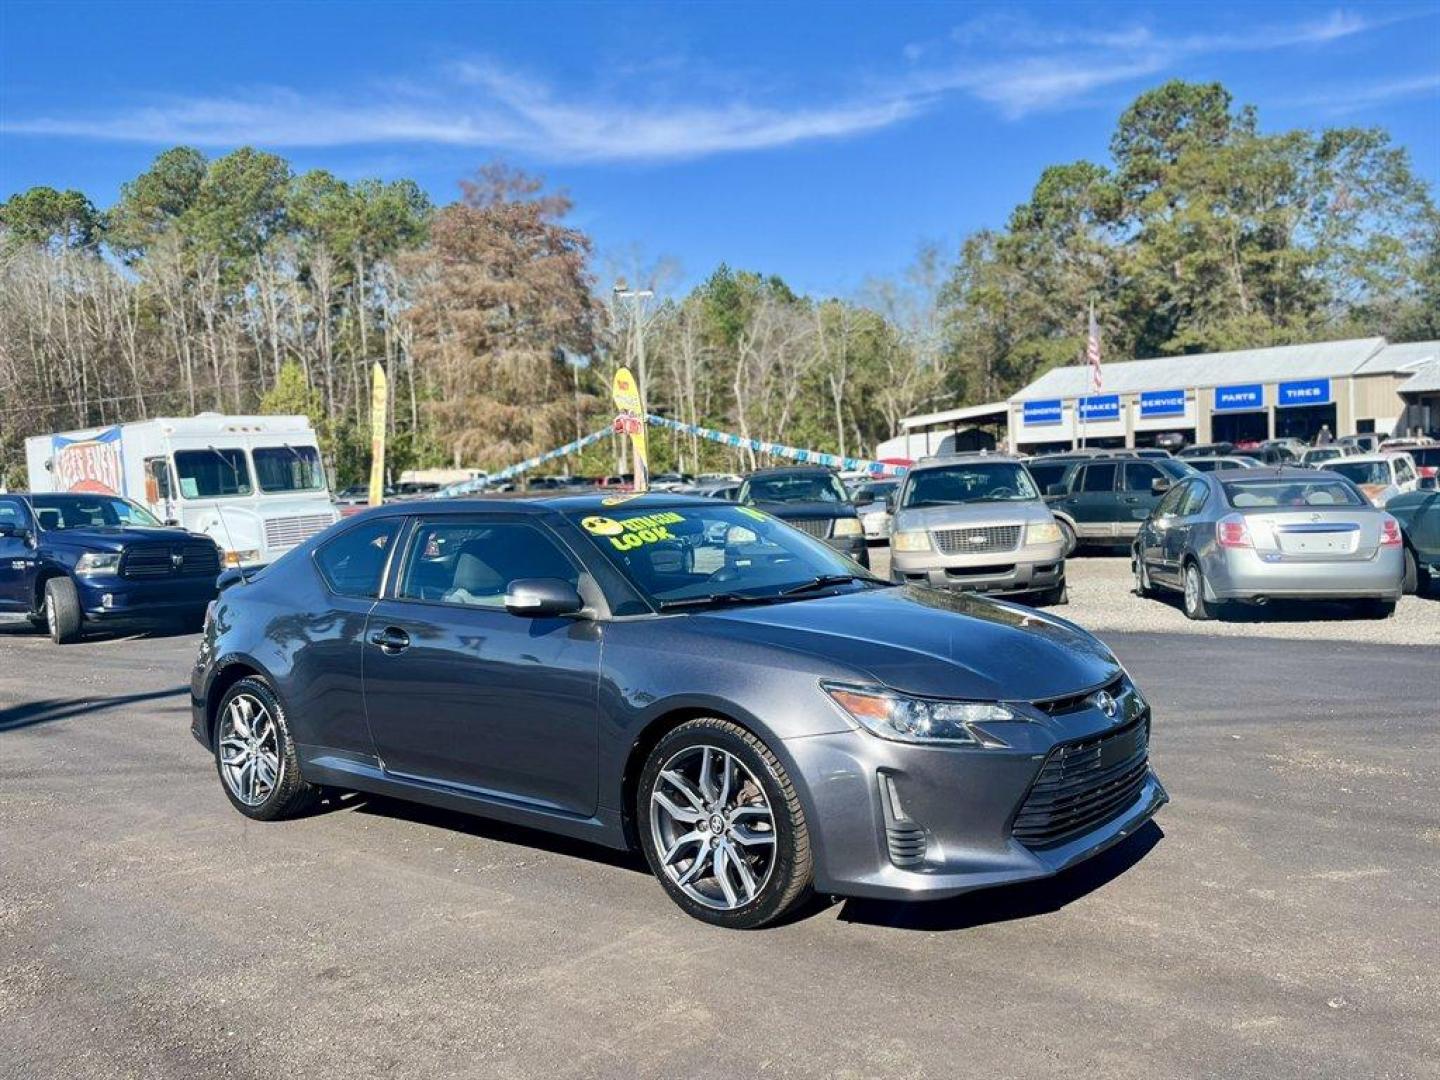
{"type": "Point", "coordinates": [1083, 785]}
{"type": "Point", "coordinates": [979, 540]}
{"type": "Point", "coordinates": [288, 531]}
{"type": "Point", "coordinates": [818, 527]}
{"type": "Point", "coordinates": [170, 560]}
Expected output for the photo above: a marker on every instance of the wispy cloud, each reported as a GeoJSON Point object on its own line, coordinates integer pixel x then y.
{"type": "Point", "coordinates": [1340, 100]}
{"type": "Point", "coordinates": [1008, 62]}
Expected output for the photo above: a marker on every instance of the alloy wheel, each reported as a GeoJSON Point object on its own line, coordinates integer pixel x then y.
{"type": "Point", "coordinates": [50, 612]}
{"type": "Point", "coordinates": [713, 828]}
{"type": "Point", "coordinates": [249, 749]}
{"type": "Point", "coordinates": [1192, 589]}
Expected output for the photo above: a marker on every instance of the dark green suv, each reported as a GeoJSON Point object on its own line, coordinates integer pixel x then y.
{"type": "Point", "coordinates": [1104, 500]}
{"type": "Point", "coordinates": [1419, 515]}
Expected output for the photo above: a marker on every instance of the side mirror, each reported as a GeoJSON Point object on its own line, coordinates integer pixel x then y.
{"type": "Point", "coordinates": [542, 598]}
{"type": "Point", "coordinates": [1159, 487]}
{"type": "Point", "coordinates": [890, 503]}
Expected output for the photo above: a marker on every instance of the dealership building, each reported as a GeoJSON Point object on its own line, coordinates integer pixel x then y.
{"type": "Point", "coordinates": [1366, 385]}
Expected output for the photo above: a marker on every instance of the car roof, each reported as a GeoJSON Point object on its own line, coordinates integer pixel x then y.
{"type": "Point", "coordinates": [598, 502]}
{"type": "Point", "coordinates": [784, 470]}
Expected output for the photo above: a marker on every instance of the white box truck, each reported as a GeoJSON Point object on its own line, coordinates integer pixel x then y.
{"type": "Point", "coordinates": [253, 484]}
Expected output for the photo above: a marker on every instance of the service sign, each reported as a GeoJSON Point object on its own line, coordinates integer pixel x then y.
{"type": "Point", "coordinates": [1162, 403]}
{"type": "Point", "coordinates": [1304, 392]}
{"type": "Point", "coordinates": [1100, 407]}
{"type": "Point", "coordinates": [1042, 412]}
{"type": "Point", "coordinates": [1242, 396]}
{"type": "Point", "coordinates": [90, 464]}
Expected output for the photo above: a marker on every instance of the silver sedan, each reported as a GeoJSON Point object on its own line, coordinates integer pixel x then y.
{"type": "Point", "coordinates": [1255, 535]}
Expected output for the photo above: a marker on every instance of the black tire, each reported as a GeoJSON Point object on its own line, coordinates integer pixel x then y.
{"type": "Point", "coordinates": [290, 795]}
{"type": "Point", "coordinates": [1143, 588]}
{"type": "Point", "coordinates": [63, 617]}
{"type": "Point", "coordinates": [1069, 540]}
{"type": "Point", "coordinates": [1375, 609]}
{"type": "Point", "coordinates": [1412, 574]}
{"type": "Point", "coordinates": [1197, 608]}
{"type": "Point", "coordinates": [1059, 596]}
{"type": "Point", "coordinates": [788, 882]}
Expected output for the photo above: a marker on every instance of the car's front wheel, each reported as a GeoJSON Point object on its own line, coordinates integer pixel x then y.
{"type": "Point", "coordinates": [255, 754]}
{"type": "Point", "coordinates": [722, 826]}
{"type": "Point", "coordinates": [62, 611]}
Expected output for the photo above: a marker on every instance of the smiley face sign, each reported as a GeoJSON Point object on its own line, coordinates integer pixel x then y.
{"type": "Point", "coordinates": [602, 526]}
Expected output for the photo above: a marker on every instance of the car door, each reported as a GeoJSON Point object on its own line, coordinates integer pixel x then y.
{"type": "Point", "coordinates": [1152, 541]}
{"type": "Point", "coordinates": [1090, 500]}
{"type": "Point", "coordinates": [1136, 497]}
{"type": "Point", "coordinates": [17, 557]}
{"type": "Point", "coordinates": [1191, 521]}
{"type": "Point", "coordinates": [458, 691]}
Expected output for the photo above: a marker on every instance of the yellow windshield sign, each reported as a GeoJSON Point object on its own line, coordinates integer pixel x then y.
{"type": "Point", "coordinates": [633, 532]}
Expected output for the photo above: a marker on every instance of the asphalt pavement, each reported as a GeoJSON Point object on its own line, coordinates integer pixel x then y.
{"type": "Point", "coordinates": [1282, 918]}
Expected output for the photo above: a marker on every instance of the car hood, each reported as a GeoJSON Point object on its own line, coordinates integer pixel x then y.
{"type": "Point", "coordinates": [115, 538]}
{"type": "Point", "coordinates": [932, 642]}
{"type": "Point", "coordinates": [786, 510]}
{"type": "Point", "coordinates": [958, 515]}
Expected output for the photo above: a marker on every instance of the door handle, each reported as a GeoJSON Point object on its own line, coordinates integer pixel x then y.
{"type": "Point", "coordinates": [1131, 499]}
{"type": "Point", "coordinates": [391, 640]}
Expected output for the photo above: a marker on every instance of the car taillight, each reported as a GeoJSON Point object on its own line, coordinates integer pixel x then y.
{"type": "Point", "coordinates": [1390, 533]}
{"type": "Point", "coordinates": [1428, 470]}
{"type": "Point", "coordinates": [1230, 532]}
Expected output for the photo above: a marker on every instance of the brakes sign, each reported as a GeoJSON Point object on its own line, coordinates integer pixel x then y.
{"type": "Point", "coordinates": [627, 533]}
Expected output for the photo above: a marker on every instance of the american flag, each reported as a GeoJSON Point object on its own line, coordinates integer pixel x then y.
{"type": "Point", "coordinates": [1092, 351]}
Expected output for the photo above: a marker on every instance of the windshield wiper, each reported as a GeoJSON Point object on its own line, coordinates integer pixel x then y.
{"type": "Point", "coordinates": [825, 581]}
{"type": "Point", "coordinates": [713, 600]}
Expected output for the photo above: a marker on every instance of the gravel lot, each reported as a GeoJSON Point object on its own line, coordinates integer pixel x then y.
{"type": "Point", "coordinates": [1281, 920]}
{"type": "Point", "coordinates": [1101, 600]}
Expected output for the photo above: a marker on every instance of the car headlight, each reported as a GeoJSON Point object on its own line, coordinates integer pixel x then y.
{"type": "Point", "coordinates": [96, 563]}
{"type": "Point", "coordinates": [848, 527]}
{"type": "Point", "coordinates": [1042, 532]}
{"type": "Point", "coordinates": [239, 558]}
{"type": "Point", "coordinates": [910, 541]}
{"type": "Point", "coordinates": [902, 718]}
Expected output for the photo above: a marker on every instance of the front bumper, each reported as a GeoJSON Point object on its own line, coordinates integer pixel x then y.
{"type": "Point", "coordinates": [111, 598]}
{"type": "Point", "coordinates": [1242, 574]}
{"type": "Point", "coordinates": [1024, 570]}
{"type": "Point", "coordinates": [964, 802]}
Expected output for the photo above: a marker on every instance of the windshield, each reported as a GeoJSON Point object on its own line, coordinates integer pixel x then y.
{"type": "Point", "coordinates": [1323, 491]}
{"type": "Point", "coordinates": [287, 468]}
{"type": "Point", "coordinates": [1362, 472]}
{"type": "Point", "coordinates": [988, 481]}
{"type": "Point", "coordinates": [1322, 455]}
{"type": "Point", "coordinates": [796, 487]}
{"type": "Point", "coordinates": [87, 511]}
{"type": "Point", "coordinates": [212, 474]}
{"type": "Point", "coordinates": [718, 552]}
{"type": "Point", "coordinates": [868, 493]}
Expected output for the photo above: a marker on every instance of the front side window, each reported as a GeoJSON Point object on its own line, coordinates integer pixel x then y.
{"type": "Point", "coordinates": [1047, 474]}
{"type": "Point", "coordinates": [1197, 494]}
{"type": "Point", "coordinates": [989, 481]}
{"type": "Point", "coordinates": [89, 511]}
{"type": "Point", "coordinates": [1403, 473]}
{"type": "Point", "coordinates": [472, 563]}
{"type": "Point", "coordinates": [212, 473]}
{"type": "Point", "coordinates": [796, 487]}
{"type": "Point", "coordinates": [722, 553]}
{"type": "Point", "coordinates": [1098, 478]}
{"type": "Point", "coordinates": [288, 468]}
{"type": "Point", "coordinates": [13, 515]}
{"type": "Point", "coordinates": [1140, 475]}
{"type": "Point", "coordinates": [353, 564]}
{"type": "Point", "coordinates": [1246, 494]}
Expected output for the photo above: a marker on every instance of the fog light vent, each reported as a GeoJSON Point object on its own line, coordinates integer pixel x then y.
{"type": "Point", "coordinates": [905, 840]}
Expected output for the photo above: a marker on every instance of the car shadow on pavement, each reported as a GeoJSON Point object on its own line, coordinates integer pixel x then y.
{"type": "Point", "coordinates": [487, 829]}
{"type": "Point", "coordinates": [1007, 902]}
{"type": "Point", "coordinates": [49, 710]}
{"type": "Point", "coordinates": [17, 626]}
{"type": "Point", "coordinates": [1281, 611]}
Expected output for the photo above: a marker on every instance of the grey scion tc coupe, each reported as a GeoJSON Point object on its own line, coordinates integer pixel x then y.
{"type": "Point", "coordinates": [760, 715]}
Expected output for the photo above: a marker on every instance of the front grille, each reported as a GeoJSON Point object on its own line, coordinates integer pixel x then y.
{"type": "Point", "coordinates": [288, 531]}
{"type": "Point", "coordinates": [1084, 784]}
{"type": "Point", "coordinates": [980, 540]}
{"type": "Point", "coordinates": [170, 560]}
{"type": "Point", "coordinates": [819, 527]}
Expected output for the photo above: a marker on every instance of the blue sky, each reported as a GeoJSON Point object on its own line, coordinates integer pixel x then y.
{"type": "Point", "coordinates": [820, 142]}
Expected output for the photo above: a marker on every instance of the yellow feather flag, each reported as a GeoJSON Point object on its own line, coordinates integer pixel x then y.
{"type": "Point", "coordinates": [379, 413]}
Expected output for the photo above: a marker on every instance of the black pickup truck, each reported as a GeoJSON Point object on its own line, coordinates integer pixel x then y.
{"type": "Point", "coordinates": [76, 560]}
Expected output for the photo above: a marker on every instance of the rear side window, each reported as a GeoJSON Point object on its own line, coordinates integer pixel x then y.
{"type": "Point", "coordinates": [1098, 478]}
{"type": "Point", "coordinates": [353, 564]}
{"type": "Point", "coordinates": [1197, 494]}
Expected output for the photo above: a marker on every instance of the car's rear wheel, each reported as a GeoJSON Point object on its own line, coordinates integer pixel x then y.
{"type": "Point", "coordinates": [255, 754]}
{"type": "Point", "coordinates": [1196, 606]}
{"type": "Point", "coordinates": [722, 826]}
{"type": "Point", "coordinates": [62, 611]}
{"type": "Point", "coordinates": [1412, 574]}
